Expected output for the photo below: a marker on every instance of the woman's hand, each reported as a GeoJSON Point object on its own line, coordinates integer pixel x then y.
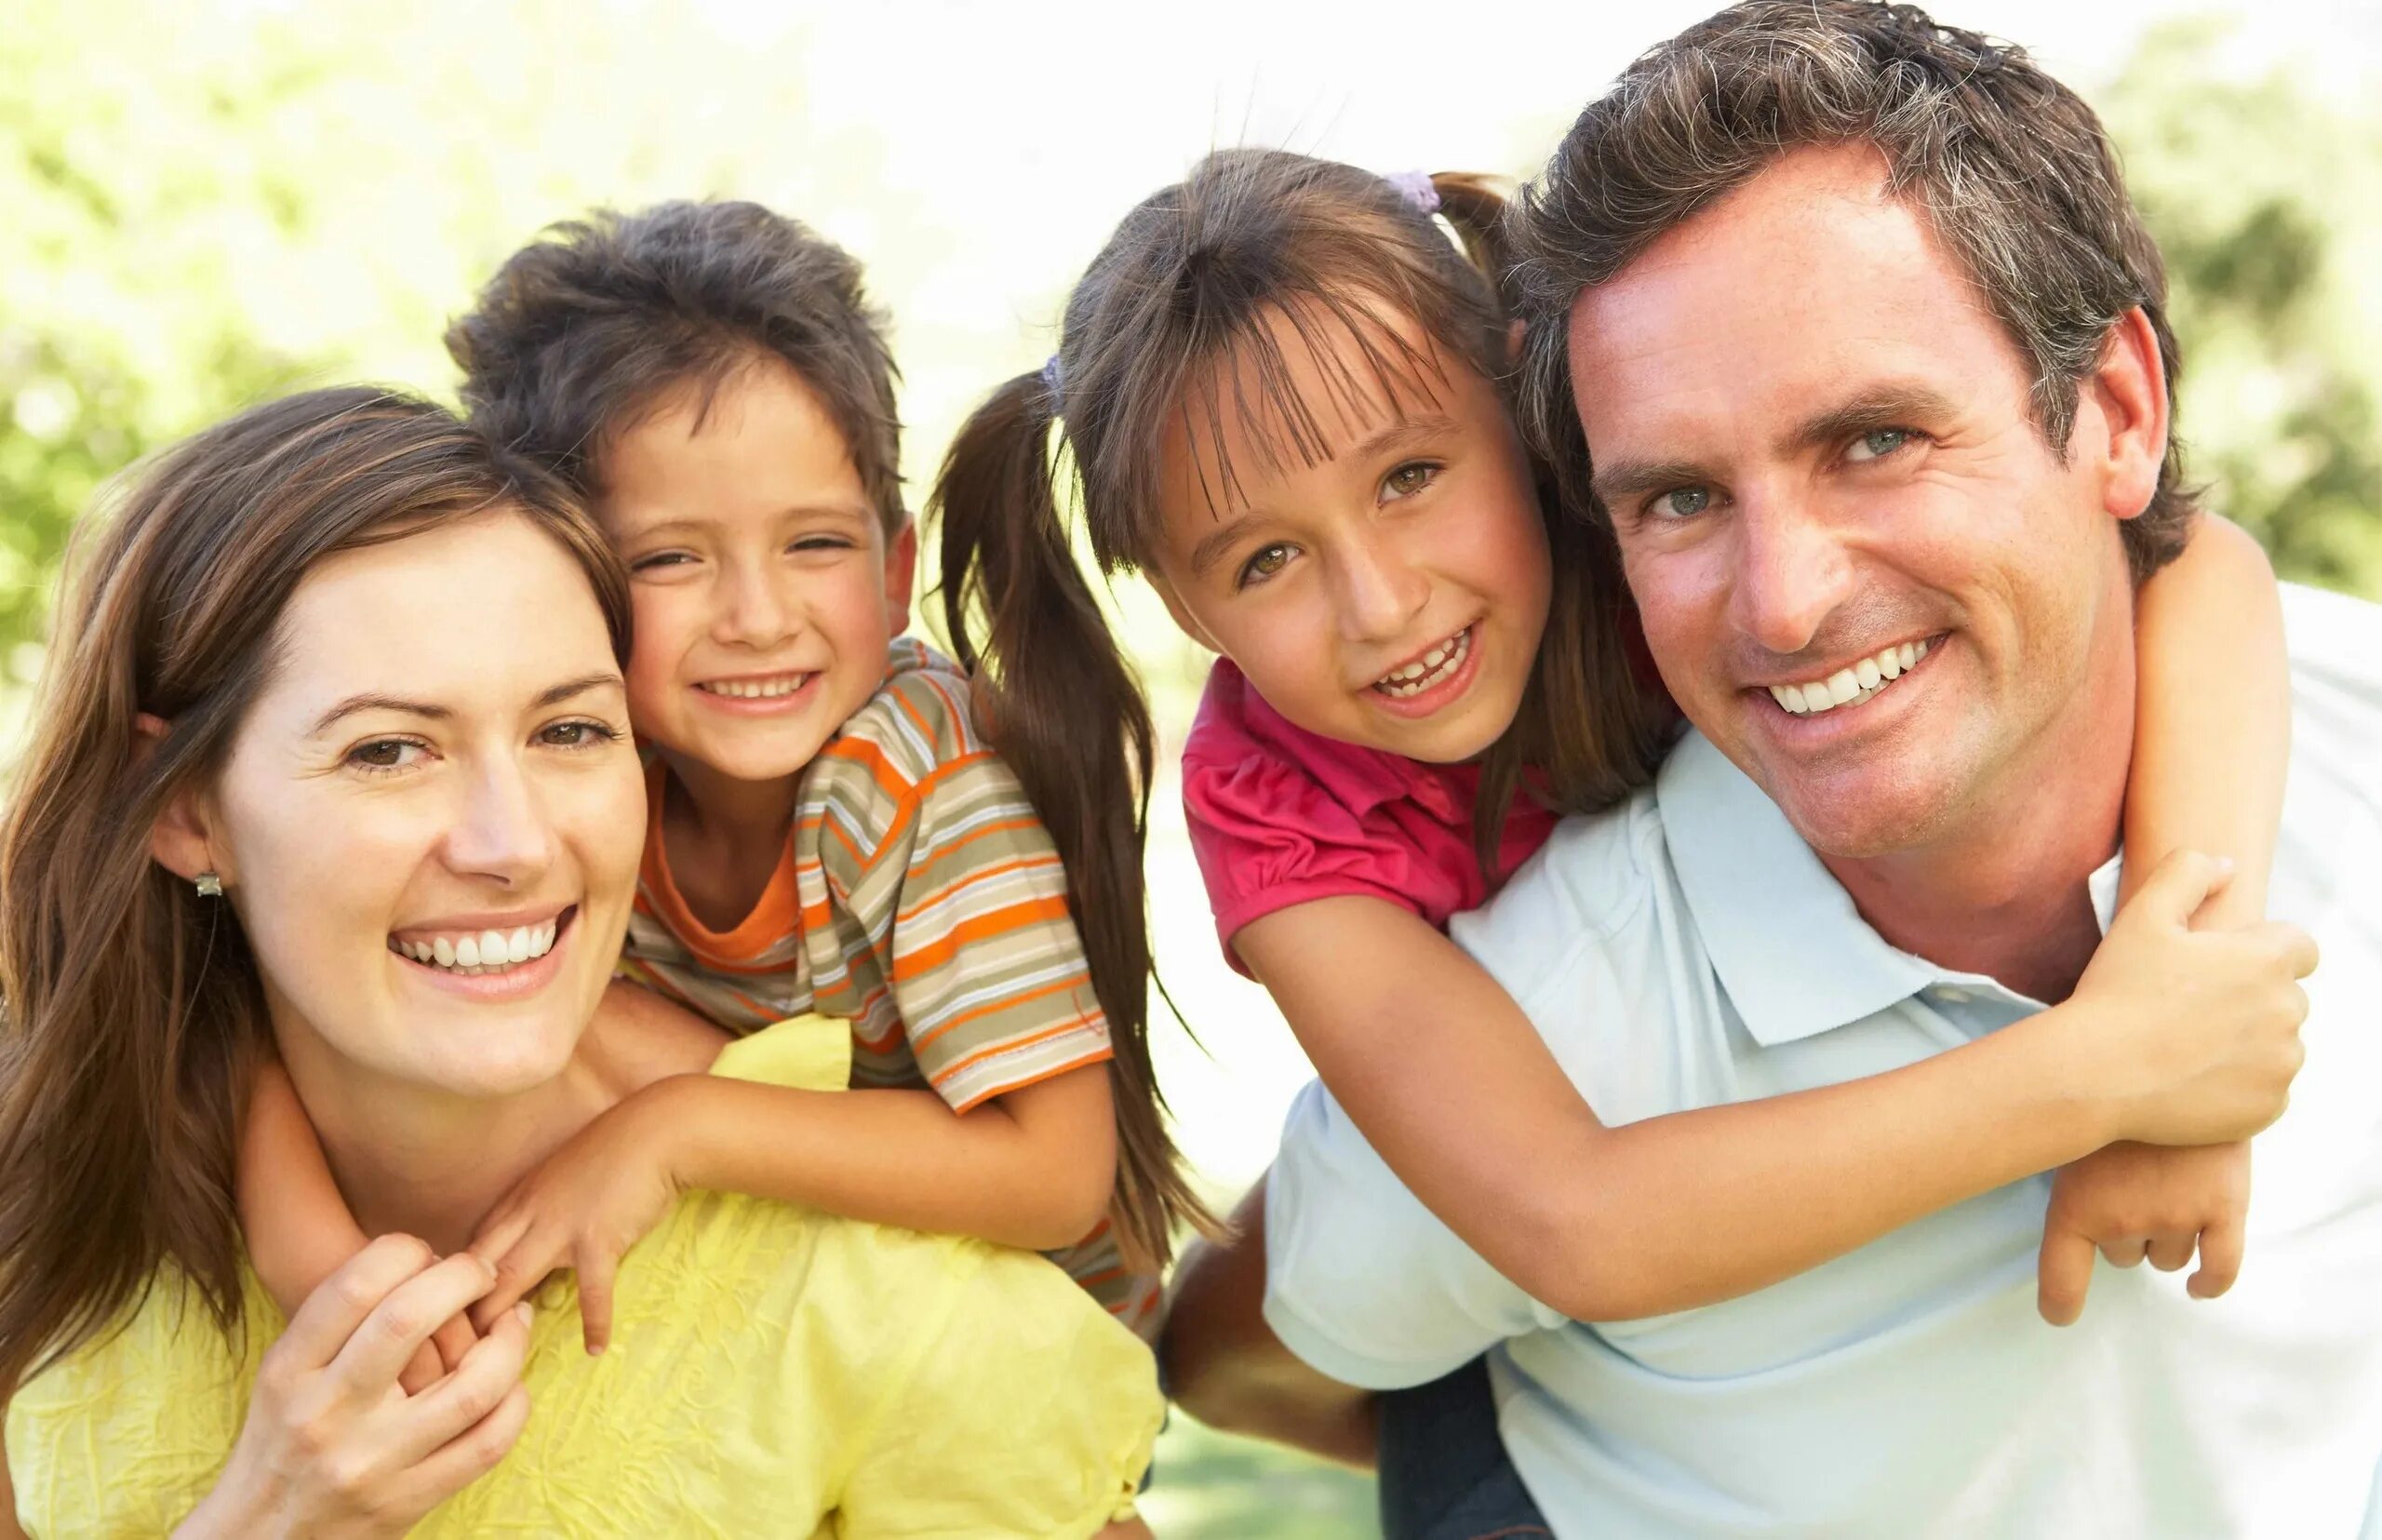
{"type": "Point", "coordinates": [591, 1201]}
{"type": "Point", "coordinates": [2195, 1034]}
{"type": "Point", "coordinates": [332, 1446]}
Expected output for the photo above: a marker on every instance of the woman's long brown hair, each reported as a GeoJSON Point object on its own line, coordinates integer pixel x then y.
{"type": "Point", "coordinates": [131, 1015]}
{"type": "Point", "coordinates": [1181, 294]}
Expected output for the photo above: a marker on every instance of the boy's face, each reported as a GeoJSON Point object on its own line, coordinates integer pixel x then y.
{"type": "Point", "coordinates": [766, 591]}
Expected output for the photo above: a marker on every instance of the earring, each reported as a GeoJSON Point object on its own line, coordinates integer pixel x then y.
{"type": "Point", "coordinates": [210, 885]}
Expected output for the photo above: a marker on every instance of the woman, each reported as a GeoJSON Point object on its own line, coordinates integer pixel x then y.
{"type": "Point", "coordinates": [340, 681]}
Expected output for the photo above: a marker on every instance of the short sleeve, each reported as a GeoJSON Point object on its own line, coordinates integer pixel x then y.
{"type": "Point", "coordinates": [935, 903]}
{"type": "Point", "coordinates": [1024, 1411]}
{"type": "Point", "coordinates": [1280, 817]}
{"type": "Point", "coordinates": [1361, 1280]}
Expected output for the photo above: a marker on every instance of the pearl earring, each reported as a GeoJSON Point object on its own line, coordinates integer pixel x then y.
{"type": "Point", "coordinates": [210, 885]}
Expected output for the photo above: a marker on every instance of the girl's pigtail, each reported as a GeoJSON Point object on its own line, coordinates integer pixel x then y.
{"type": "Point", "coordinates": [1067, 713]}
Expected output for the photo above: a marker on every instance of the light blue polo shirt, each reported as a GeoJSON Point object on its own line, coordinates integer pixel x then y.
{"type": "Point", "coordinates": [1688, 949]}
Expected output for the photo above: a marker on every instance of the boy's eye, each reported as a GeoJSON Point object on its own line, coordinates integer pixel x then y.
{"type": "Point", "coordinates": [660, 559]}
{"type": "Point", "coordinates": [823, 543]}
{"type": "Point", "coordinates": [1876, 444]}
{"type": "Point", "coordinates": [1264, 564]}
{"type": "Point", "coordinates": [1409, 478]}
{"type": "Point", "coordinates": [1682, 501]}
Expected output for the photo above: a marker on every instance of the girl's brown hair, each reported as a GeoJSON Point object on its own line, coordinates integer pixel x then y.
{"type": "Point", "coordinates": [1172, 313]}
{"type": "Point", "coordinates": [131, 1013]}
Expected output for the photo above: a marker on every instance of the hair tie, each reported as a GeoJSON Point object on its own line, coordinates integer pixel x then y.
{"type": "Point", "coordinates": [1050, 376]}
{"type": "Point", "coordinates": [1415, 187]}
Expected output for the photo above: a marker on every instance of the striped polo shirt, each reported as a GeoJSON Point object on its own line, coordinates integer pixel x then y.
{"type": "Point", "coordinates": [919, 899]}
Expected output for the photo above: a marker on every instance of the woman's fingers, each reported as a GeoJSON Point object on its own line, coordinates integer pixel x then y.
{"type": "Point", "coordinates": [470, 1454]}
{"type": "Point", "coordinates": [463, 1400]}
{"type": "Point", "coordinates": [341, 1304]}
{"type": "Point", "coordinates": [422, 1371]}
{"type": "Point", "coordinates": [404, 1321]}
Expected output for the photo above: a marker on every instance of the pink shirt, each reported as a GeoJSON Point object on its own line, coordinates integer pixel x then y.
{"type": "Point", "coordinates": [1280, 816]}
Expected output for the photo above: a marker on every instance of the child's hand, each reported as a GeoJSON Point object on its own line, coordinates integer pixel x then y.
{"type": "Point", "coordinates": [2195, 1034]}
{"type": "Point", "coordinates": [2132, 1201]}
{"type": "Point", "coordinates": [592, 1200]}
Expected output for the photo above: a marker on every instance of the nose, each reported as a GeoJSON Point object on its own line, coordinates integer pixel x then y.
{"type": "Point", "coordinates": [503, 830]}
{"type": "Point", "coordinates": [1792, 571]}
{"type": "Point", "coordinates": [749, 610]}
{"type": "Point", "coordinates": [1378, 591]}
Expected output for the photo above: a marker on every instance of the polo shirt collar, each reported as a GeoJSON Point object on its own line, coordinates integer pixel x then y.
{"type": "Point", "coordinates": [1783, 936]}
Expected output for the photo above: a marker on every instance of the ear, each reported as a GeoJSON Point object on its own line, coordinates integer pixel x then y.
{"type": "Point", "coordinates": [2129, 387]}
{"type": "Point", "coordinates": [1513, 344]}
{"type": "Point", "coordinates": [1185, 621]}
{"type": "Point", "coordinates": [177, 842]}
{"type": "Point", "coordinates": [902, 573]}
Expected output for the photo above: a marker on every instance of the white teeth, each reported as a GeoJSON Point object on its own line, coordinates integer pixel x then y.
{"type": "Point", "coordinates": [1433, 668]}
{"type": "Point", "coordinates": [485, 951]}
{"type": "Point", "coordinates": [758, 689]}
{"type": "Point", "coordinates": [1849, 685]}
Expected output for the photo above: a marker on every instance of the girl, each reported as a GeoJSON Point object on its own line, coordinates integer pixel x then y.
{"type": "Point", "coordinates": [1281, 386]}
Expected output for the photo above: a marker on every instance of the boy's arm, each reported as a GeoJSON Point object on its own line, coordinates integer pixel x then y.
{"type": "Point", "coordinates": [2212, 748]}
{"type": "Point", "coordinates": [295, 1224]}
{"type": "Point", "coordinates": [2173, 1037]}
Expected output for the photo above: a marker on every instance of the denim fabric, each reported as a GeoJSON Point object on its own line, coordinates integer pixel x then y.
{"type": "Point", "coordinates": [1444, 1473]}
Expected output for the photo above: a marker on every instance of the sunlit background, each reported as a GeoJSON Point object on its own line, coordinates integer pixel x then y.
{"type": "Point", "coordinates": [202, 206]}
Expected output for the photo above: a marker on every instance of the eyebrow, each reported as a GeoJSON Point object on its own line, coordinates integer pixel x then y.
{"type": "Point", "coordinates": [375, 701]}
{"type": "Point", "coordinates": [1405, 433]}
{"type": "Point", "coordinates": [1884, 406]}
{"type": "Point", "coordinates": [852, 513]}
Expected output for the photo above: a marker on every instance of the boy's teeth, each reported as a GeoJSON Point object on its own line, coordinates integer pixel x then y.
{"type": "Point", "coordinates": [1849, 685]}
{"type": "Point", "coordinates": [1429, 669]}
{"type": "Point", "coordinates": [484, 951]}
{"type": "Point", "coordinates": [757, 690]}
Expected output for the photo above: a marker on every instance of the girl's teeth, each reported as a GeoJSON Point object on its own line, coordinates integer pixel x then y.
{"type": "Point", "coordinates": [1434, 665]}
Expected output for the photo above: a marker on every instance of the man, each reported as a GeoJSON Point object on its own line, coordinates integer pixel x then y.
{"type": "Point", "coordinates": [1845, 323]}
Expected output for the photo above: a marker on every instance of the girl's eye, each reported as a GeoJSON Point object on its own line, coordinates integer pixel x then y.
{"type": "Point", "coordinates": [382, 756]}
{"type": "Point", "coordinates": [1409, 478]}
{"type": "Point", "coordinates": [660, 559]}
{"type": "Point", "coordinates": [579, 734]}
{"type": "Point", "coordinates": [1682, 501]}
{"type": "Point", "coordinates": [1876, 444]}
{"type": "Point", "coordinates": [1264, 564]}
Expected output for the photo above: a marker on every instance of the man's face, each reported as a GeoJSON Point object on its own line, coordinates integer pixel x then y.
{"type": "Point", "coordinates": [1864, 574]}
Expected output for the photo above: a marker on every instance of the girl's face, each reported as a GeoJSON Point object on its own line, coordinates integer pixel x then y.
{"type": "Point", "coordinates": [430, 821]}
{"type": "Point", "coordinates": [1391, 593]}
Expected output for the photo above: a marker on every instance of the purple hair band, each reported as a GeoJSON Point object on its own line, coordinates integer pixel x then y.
{"type": "Point", "coordinates": [1416, 188]}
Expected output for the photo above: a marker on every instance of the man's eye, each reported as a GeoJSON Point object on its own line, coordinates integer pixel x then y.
{"type": "Point", "coordinates": [1876, 444]}
{"type": "Point", "coordinates": [1683, 502]}
{"type": "Point", "coordinates": [1264, 564]}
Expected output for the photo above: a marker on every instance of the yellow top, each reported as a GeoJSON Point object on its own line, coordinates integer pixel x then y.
{"type": "Point", "coordinates": [773, 1371]}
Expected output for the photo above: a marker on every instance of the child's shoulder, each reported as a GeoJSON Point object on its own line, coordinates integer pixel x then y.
{"type": "Point", "coordinates": [921, 719]}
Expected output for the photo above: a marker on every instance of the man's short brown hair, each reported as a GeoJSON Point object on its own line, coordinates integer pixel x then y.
{"type": "Point", "coordinates": [2010, 167]}
{"type": "Point", "coordinates": [587, 328]}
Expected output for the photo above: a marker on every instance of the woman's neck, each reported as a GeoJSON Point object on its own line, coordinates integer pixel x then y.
{"type": "Point", "coordinates": [428, 1163]}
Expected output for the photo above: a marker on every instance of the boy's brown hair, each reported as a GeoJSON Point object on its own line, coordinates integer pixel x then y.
{"type": "Point", "coordinates": [585, 332]}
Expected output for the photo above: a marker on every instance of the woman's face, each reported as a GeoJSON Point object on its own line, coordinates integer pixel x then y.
{"type": "Point", "coordinates": [431, 818]}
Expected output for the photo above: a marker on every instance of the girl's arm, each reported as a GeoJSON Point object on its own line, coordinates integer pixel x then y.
{"type": "Point", "coordinates": [2212, 745]}
{"type": "Point", "coordinates": [1032, 1168]}
{"type": "Point", "coordinates": [2212, 717]}
{"type": "Point", "coordinates": [2172, 1036]}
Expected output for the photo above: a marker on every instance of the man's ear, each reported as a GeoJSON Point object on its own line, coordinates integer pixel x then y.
{"type": "Point", "coordinates": [902, 572]}
{"type": "Point", "coordinates": [2129, 388]}
{"type": "Point", "coordinates": [1185, 621]}
{"type": "Point", "coordinates": [178, 839]}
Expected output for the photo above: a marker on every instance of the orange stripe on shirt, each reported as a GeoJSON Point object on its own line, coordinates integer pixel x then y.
{"type": "Point", "coordinates": [981, 874]}
{"type": "Point", "coordinates": [1073, 982]}
{"type": "Point", "coordinates": [1011, 1045]}
{"type": "Point", "coordinates": [998, 922]}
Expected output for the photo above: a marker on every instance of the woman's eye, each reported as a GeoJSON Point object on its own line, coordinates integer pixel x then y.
{"type": "Point", "coordinates": [1264, 564]}
{"type": "Point", "coordinates": [1683, 502]}
{"type": "Point", "coordinates": [1876, 444]}
{"type": "Point", "coordinates": [1409, 478]}
{"type": "Point", "coordinates": [383, 754]}
{"type": "Point", "coordinates": [578, 735]}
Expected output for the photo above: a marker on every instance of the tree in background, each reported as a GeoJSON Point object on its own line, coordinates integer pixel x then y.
{"type": "Point", "coordinates": [2267, 203]}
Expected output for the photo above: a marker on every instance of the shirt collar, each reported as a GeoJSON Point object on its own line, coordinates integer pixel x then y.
{"type": "Point", "coordinates": [1783, 936]}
